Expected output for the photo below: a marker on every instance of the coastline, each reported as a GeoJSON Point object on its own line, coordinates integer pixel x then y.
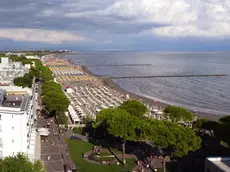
{"type": "Point", "coordinates": [110, 83]}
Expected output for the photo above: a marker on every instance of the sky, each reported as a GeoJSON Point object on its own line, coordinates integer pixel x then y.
{"type": "Point", "coordinates": [159, 25]}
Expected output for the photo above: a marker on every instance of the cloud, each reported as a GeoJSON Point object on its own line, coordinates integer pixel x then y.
{"type": "Point", "coordinates": [38, 35]}
{"type": "Point", "coordinates": [218, 30]}
{"type": "Point", "coordinates": [210, 18]}
{"type": "Point", "coordinates": [119, 21]}
{"type": "Point", "coordinates": [107, 42]}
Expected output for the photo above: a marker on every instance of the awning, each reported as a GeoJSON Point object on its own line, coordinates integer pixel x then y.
{"type": "Point", "coordinates": [43, 130]}
{"type": "Point", "coordinates": [44, 133]}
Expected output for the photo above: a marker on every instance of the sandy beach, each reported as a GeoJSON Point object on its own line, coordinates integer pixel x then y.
{"type": "Point", "coordinates": [113, 85]}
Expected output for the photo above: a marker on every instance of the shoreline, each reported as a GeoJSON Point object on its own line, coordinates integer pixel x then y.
{"type": "Point", "coordinates": [110, 83]}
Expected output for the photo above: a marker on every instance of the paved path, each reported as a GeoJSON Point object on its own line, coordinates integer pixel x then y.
{"type": "Point", "coordinates": [118, 156]}
{"type": "Point", "coordinates": [54, 150]}
{"type": "Point", "coordinates": [50, 147]}
{"type": "Point", "coordinates": [64, 147]}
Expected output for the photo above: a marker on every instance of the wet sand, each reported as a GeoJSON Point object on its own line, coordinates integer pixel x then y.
{"type": "Point", "coordinates": [110, 83]}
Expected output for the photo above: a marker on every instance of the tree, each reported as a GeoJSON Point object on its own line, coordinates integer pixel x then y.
{"type": "Point", "coordinates": [36, 73]}
{"type": "Point", "coordinates": [175, 140]}
{"type": "Point", "coordinates": [166, 134]}
{"type": "Point", "coordinates": [20, 163]}
{"type": "Point", "coordinates": [51, 86]}
{"type": "Point", "coordinates": [199, 124]}
{"type": "Point", "coordinates": [25, 81]}
{"type": "Point", "coordinates": [46, 74]}
{"type": "Point", "coordinates": [211, 126]}
{"type": "Point", "coordinates": [134, 107]}
{"type": "Point", "coordinates": [62, 119]}
{"type": "Point", "coordinates": [54, 99]}
{"type": "Point", "coordinates": [225, 119]}
{"type": "Point", "coordinates": [55, 102]}
{"type": "Point", "coordinates": [185, 140]}
{"type": "Point", "coordinates": [120, 123]}
{"type": "Point", "coordinates": [87, 120]}
{"type": "Point", "coordinates": [223, 129]}
{"type": "Point", "coordinates": [177, 114]}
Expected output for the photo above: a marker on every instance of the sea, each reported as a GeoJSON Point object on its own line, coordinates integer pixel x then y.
{"type": "Point", "coordinates": [203, 94]}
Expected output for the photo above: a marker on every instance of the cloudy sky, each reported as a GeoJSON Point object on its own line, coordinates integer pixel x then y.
{"type": "Point", "coordinates": [164, 25]}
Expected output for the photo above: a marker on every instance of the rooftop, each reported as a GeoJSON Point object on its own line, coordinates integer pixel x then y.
{"type": "Point", "coordinates": [12, 101]}
{"type": "Point", "coordinates": [16, 101]}
{"type": "Point", "coordinates": [222, 163]}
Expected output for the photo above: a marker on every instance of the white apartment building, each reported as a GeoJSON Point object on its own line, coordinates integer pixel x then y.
{"type": "Point", "coordinates": [10, 70]}
{"type": "Point", "coordinates": [17, 54]}
{"type": "Point", "coordinates": [17, 120]}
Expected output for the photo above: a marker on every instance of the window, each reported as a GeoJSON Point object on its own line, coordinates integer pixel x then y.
{"type": "Point", "coordinates": [0, 142]}
{"type": "Point", "coordinates": [0, 128]}
{"type": "Point", "coordinates": [12, 141]}
{"type": "Point", "coordinates": [12, 128]}
{"type": "Point", "coordinates": [0, 117]}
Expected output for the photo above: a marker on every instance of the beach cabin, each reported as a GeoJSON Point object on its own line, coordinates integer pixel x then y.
{"type": "Point", "coordinates": [73, 115]}
{"type": "Point", "coordinates": [69, 90]}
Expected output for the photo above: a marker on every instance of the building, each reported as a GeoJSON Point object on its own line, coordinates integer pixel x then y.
{"type": "Point", "coordinates": [17, 122]}
{"type": "Point", "coordinates": [32, 57]}
{"type": "Point", "coordinates": [217, 164]}
{"type": "Point", "coordinates": [10, 70]}
{"type": "Point", "coordinates": [8, 54]}
{"type": "Point", "coordinates": [27, 66]}
{"type": "Point", "coordinates": [5, 61]}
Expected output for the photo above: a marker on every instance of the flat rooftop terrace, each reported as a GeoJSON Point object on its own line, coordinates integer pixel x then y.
{"type": "Point", "coordinates": [15, 101]}
{"type": "Point", "coordinates": [12, 101]}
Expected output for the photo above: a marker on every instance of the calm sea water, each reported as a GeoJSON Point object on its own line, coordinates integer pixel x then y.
{"type": "Point", "coordinates": [205, 94]}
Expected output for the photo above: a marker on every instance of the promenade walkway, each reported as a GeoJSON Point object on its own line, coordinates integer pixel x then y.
{"type": "Point", "coordinates": [54, 150]}
{"type": "Point", "coordinates": [118, 156]}
{"type": "Point", "coordinates": [50, 147]}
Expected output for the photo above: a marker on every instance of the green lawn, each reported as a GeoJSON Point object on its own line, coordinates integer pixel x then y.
{"type": "Point", "coordinates": [78, 148]}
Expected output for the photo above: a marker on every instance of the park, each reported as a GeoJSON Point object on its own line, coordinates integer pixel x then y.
{"type": "Point", "coordinates": [132, 142]}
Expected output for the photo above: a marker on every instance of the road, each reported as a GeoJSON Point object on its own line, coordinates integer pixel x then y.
{"type": "Point", "coordinates": [54, 150]}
